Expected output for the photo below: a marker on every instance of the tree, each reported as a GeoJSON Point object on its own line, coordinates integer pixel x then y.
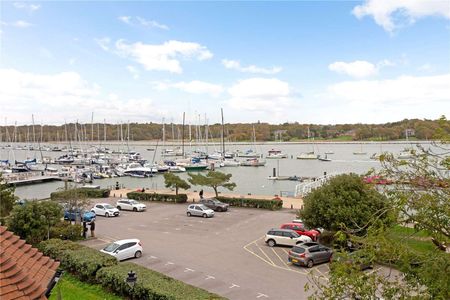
{"type": "Point", "coordinates": [213, 179]}
{"type": "Point", "coordinates": [173, 181]}
{"type": "Point", "coordinates": [7, 199]}
{"type": "Point", "coordinates": [420, 196]}
{"type": "Point", "coordinates": [33, 220]}
{"type": "Point", "coordinates": [73, 199]}
{"type": "Point", "coordinates": [345, 202]}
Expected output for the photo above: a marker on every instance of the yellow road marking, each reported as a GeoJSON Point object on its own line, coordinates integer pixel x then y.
{"type": "Point", "coordinates": [284, 263]}
{"type": "Point", "coordinates": [265, 255]}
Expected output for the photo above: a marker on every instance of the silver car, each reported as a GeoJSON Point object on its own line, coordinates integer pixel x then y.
{"type": "Point", "coordinates": [199, 210]}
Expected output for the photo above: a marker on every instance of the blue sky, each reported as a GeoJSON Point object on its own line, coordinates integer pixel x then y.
{"type": "Point", "coordinates": [306, 61]}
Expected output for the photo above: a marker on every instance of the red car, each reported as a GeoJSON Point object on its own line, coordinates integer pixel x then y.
{"type": "Point", "coordinates": [300, 229]}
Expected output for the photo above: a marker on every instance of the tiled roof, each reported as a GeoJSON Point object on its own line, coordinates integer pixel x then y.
{"type": "Point", "coordinates": [25, 272]}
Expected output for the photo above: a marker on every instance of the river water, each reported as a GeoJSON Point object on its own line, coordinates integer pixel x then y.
{"type": "Point", "coordinates": [252, 180]}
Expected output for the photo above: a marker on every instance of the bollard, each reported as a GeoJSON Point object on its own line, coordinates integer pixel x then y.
{"type": "Point", "coordinates": [292, 206]}
{"type": "Point", "coordinates": [120, 195]}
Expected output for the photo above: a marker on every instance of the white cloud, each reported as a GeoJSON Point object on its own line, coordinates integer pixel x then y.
{"type": "Point", "coordinates": [66, 95]}
{"type": "Point", "coordinates": [135, 21]}
{"type": "Point", "coordinates": [72, 61]}
{"type": "Point", "coordinates": [236, 65]}
{"type": "Point", "coordinates": [28, 7]}
{"type": "Point", "coordinates": [358, 68]}
{"type": "Point", "coordinates": [134, 71]}
{"type": "Point", "coordinates": [164, 57]}
{"type": "Point", "coordinates": [103, 43]}
{"type": "Point", "coordinates": [394, 14]}
{"type": "Point", "coordinates": [270, 96]}
{"type": "Point", "coordinates": [426, 68]}
{"type": "Point", "coordinates": [192, 87]}
{"type": "Point", "coordinates": [19, 24]}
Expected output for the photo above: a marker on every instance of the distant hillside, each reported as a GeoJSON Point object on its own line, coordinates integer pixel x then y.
{"type": "Point", "coordinates": [414, 129]}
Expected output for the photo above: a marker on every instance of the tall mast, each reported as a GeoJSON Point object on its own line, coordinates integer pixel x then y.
{"type": "Point", "coordinates": [223, 134]}
{"type": "Point", "coordinates": [182, 137]}
{"type": "Point", "coordinates": [92, 127]}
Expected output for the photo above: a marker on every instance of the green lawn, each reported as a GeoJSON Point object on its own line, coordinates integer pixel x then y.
{"type": "Point", "coordinates": [416, 240]}
{"type": "Point", "coordinates": [71, 288]}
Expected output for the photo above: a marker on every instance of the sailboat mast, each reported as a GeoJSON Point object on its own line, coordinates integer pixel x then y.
{"type": "Point", "coordinates": [182, 137]}
{"type": "Point", "coordinates": [223, 134]}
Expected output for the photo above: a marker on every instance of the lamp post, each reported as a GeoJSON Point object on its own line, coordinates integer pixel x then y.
{"type": "Point", "coordinates": [131, 281]}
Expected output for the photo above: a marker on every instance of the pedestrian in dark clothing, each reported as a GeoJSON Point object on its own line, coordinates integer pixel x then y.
{"type": "Point", "coordinates": [92, 229]}
{"type": "Point", "coordinates": [84, 230]}
{"type": "Point", "coordinates": [201, 194]}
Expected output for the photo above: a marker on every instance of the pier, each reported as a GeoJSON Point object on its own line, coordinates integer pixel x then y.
{"type": "Point", "coordinates": [26, 179]}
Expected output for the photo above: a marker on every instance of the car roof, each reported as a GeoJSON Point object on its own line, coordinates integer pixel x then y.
{"type": "Point", "coordinates": [104, 203]}
{"type": "Point", "coordinates": [291, 223]}
{"type": "Point", "coordinates": [309, 244]}
{"type": "Point", "coordinates": [121, 242]}
{"type": "Point", "coordinates": [282, 229]}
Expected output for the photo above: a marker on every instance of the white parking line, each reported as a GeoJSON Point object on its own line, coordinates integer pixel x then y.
{"type": "Point", "coordinates": [188, 270]}
{"type": "Point", "coordinates": [234, 285]}
{"type": "Point", "coordinates": [210, 277]}
{"type": "Point", "coordinates": [152, 257]}
{"type": "Point", "coordinates": [262, 295]}
{"type": "Point", "coordinates": [169, 263]}
{"type": "Point", "coordinates": [166, 232]}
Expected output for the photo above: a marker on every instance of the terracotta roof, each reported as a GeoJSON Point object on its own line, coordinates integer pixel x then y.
{"type": "Point", "coordinates": [25, 272]}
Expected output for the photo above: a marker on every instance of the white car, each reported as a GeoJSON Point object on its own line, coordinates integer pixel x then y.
{"type": "Point", "coordinates": [105, 209]}
{"type": "Point", "coordinates": [129, 204]}
{"type": "Point", "coordinates": [124, 249]}
{"type": "Point", "coordinates": [286, 237]}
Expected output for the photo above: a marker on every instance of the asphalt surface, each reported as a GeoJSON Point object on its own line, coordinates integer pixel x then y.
{"type": "Point", "coordinates": [225, 254]}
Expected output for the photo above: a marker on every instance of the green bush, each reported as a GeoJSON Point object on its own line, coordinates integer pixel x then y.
{"type": "Point", "coordinates": [327, 238]}
{"type": "Point", "coordinates": [253, 203]}
{"type": "Point", "coordinates": [149, 285]}
{"type": "Point", "coordinates": [81, 261]}
{"type": "Point", "coordinates": [180, 198]}
{"type": "Point", "coordinates": [66, 231]}
{"type": "Point", "coordinates": [90, 193]}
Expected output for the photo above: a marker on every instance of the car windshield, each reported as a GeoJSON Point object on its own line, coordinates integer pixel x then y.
{"type": "Point", "coordinates": [133, 202]}
{"type": "Point", "coordinates": [111, 247]}
{"type": "Point", "coordinates": [217, 202]}
{"type": "Point", "coordinates": [298, 249]}
{"type": "Point", "coordinates": [107, 206]}
{"type": "Point", "coordinates": [203, 207]}
{"type": "Point", "coordinates": [295, 234]}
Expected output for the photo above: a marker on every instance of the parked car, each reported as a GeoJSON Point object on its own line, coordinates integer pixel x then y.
{"type": "Point", "coordinates": [73, 215]}
{"type": "Point", "coordinates": [124, 249]}
{"type": "Point", "coordinates": [301, 229]}
{"type": "Point", "coordinates": [319, 229]}
{"type": "Point", "coordinates": [215, 204]}
{"type": "Point", "coordinates": [130, 204]}
{"type": "Point", "coordinates": [284, 237]}
{"type": "Point", "coordinates": [199, 210]}
{"type": "Point", "coordinates": [105, 209]}
{"type": "Point", "coordinates": [309, 254]}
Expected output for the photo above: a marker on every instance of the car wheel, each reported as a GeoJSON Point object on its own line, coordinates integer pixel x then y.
{"type": "Point", "coordinates": [204, 216]}
{"type": "Point", "coordinates": [106, 215]}
{"type": "Point", "coordinates": [188, 214]}
{"type": "Point", "coordinates": [134, 209]}
{"type": "Point", "coordinates": [219, 209]}
{"type": "Point", "coordinates": [271, 243]}
{"type": "Point", "coordinates": [138, 254]}
{"type": "Point", "coordinates": [310, 263]}
{"type": "Point", "coordinates": [119, 208]}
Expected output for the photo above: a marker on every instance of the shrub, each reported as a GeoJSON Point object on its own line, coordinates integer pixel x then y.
{"type": "Point", "coordinates": [67, 231]}
{"type": "Point", "coordinates": [327, 238]}
{"type": "Point", "coordinates": [149, 285]}
{"type": "Point", "coordinates": [253, 203]}
{"type": "Point", "coordinates": [56, 247]}
{"type": "Point", "coordinates": [180, 198]}
{"type": "Point", "coordinates": [90, 193]}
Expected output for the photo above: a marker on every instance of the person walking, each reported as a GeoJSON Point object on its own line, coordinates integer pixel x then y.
{"type": "Point", "coordinates": [201, 194]}
{"type": "Point", "coordinates": [92, 229]}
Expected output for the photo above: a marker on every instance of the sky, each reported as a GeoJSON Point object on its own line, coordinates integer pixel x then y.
{"type": "Point", "coordinates": [323, 62]}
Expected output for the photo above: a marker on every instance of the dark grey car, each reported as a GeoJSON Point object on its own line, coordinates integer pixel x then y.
{"type": "Point", "coordinates": [309, 254]}
{"type": "Point", "coordinates": [215, 204]}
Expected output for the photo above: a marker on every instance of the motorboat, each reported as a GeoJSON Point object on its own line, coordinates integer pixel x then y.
{"type": "Point", "coordinates": [275, 154]}
{"type": "Point", "coordinates": [253, 162]}
{"type": "Point", "coordinates": [307, 155]}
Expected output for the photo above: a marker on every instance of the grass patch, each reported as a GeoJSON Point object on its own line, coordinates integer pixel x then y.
{"type": "Point", "coordinates": [419, 241]}
{"type": "Point", "coordinates": [70, 288]}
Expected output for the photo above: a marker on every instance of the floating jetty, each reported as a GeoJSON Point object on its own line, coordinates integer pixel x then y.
{"type": "Point", "coordinates": [26, 180]}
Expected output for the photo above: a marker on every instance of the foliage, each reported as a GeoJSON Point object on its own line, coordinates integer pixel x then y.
{"type": "Point", "coordinates": [70, 288]}
{"type": "Point", "coordinates": [253, 203]}
{"type": "Point", "coordinates": [345, 202]}
{"type": "Point", "coordinates": [149, 285]}
{"type": "Point", "coordinates": [420, 194]}
{"type": "Point", "coordinates": [173, 181]}
{"type": "Point", "coordinates": [7, 199]}
{"type": "Point", "coordinates": [213, 179]}
{"type": "Point", "coordinates": [81, 261]}
{"type": "Point", "coordinates": [180, 198]}
{"type": "Point", "coordinates": [33, 220]}
{"type": "Point", "coordinates": [66, 231]}
{"type": "Point", "coordinates": [79, 193]}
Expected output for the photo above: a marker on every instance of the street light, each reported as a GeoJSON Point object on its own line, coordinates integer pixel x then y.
{"type": "Point", "coordinates": [131, 279]}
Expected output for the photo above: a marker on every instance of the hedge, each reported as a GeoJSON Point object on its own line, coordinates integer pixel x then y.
{"type": "Point", "coordinates": [253, 203]}
{"type": "Point", "coordinates": [90, 193]}
{"type": "Point", "coordinates": [180, 198]}
{"type": "Point", "coordinates": [93, 266]}
{"type": "Point", "coordinates": [66, 231]}
{"type": "Point", "coordinates": [82, 261]}
{"type": "Point", "coordinates": [150, 284]}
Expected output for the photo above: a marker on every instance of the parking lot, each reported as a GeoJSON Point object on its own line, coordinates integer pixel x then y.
{"type": "Point", "coordinates": [225, 254]}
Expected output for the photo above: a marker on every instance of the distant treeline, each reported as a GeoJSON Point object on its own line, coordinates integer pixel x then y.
{"type": "Point", "coordinates": [413, 129]}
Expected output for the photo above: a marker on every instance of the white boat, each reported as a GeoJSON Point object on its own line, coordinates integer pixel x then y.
{"type": "Point", "coordinates": [253, 162]}
{"type": "Point", "coordinates": [307, 155]}
{"type": "Point", "coordinates": [323, 158]}
{"type": "Point", "coordinates": [230, 163]}
{"type": "Point", "coordinates": [215, 155]}
{"type": "Point", "coordinates": [275, 154]}
{"type": "Point", "coordinates": [329, 152]}
{"type": "Point", "coordinates": [359, 153]}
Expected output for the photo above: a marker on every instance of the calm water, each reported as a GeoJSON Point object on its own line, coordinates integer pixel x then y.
{"type": "Point", "coordinates": [248, 179]}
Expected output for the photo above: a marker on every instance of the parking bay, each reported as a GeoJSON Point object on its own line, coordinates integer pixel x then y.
{"type": "Point", "coordinates": [225, 254]}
